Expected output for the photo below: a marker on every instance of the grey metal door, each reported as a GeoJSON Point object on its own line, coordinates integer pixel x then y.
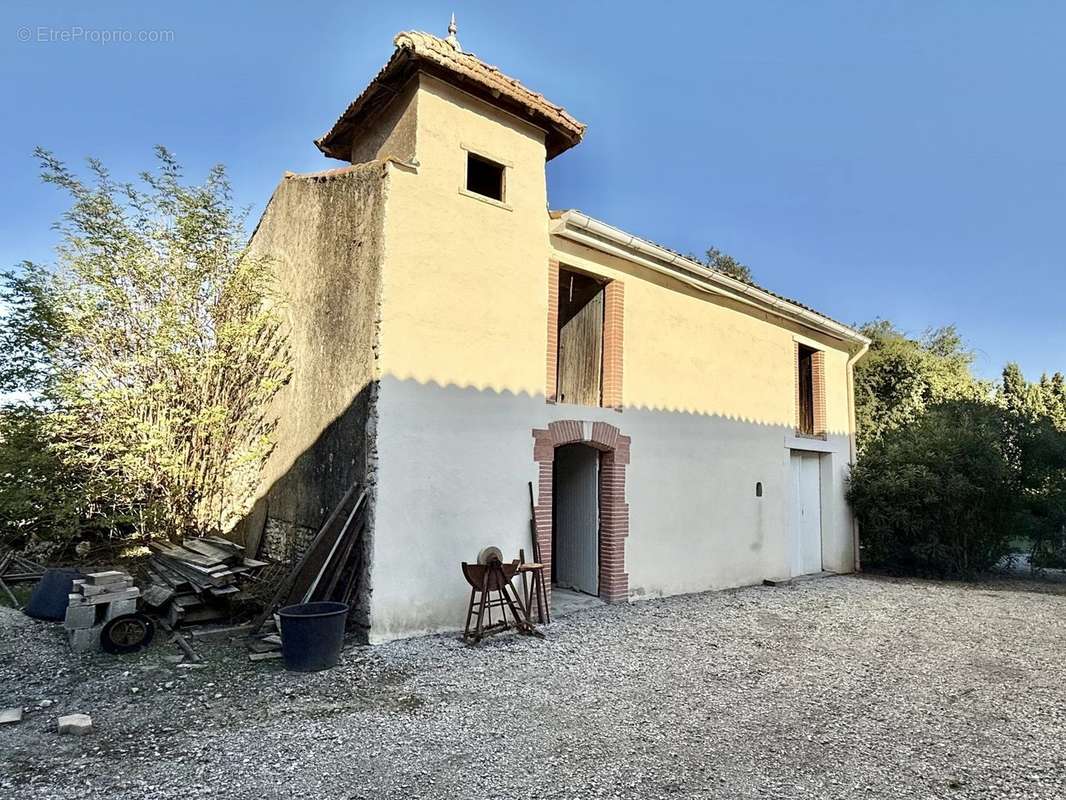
{"type": "Point", "coordinates": [576, 556]}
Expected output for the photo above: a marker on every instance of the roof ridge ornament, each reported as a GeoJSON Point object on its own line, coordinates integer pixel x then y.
{"type": "Point", "coordinates": [452, 39]}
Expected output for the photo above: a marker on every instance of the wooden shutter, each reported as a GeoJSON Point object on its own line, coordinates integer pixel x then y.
{"type": "Point", "coordinates": [581, 355]}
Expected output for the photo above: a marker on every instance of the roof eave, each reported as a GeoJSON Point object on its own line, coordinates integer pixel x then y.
{"type": "Point", "coordinates": [398, 69]}
{"type": "Point", "coordinates": [581, 228]}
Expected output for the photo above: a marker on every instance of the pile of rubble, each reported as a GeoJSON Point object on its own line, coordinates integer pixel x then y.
{"type": "Point", "coordinates": [201, 580]}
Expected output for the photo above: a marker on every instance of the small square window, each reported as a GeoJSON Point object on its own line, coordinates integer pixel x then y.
{"type": "Point", "coordinates": [484, 177]}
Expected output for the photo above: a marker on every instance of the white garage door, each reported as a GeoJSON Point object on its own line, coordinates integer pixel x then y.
{"type": "Point", "coordinates": [806, 514]}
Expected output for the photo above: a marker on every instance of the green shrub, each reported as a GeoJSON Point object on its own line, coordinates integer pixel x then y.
{"type": "Point", "coordinates": [39, 497]}
{"type": "Point", "coordinates": [153, 349]}
{"type": "Point", "coordinates": [1039, 448]}
{"type": "Point", "coordinates": [938, 496]}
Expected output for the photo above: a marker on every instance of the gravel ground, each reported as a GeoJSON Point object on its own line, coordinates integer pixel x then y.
{"type": "Point", "coordinates": [840, 687]}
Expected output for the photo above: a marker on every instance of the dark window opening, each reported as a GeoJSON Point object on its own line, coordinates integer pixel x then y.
{"type": "Point", "coordinates": [806, 390]}
{"type": "Point", "coordinates": [758, 488]}
{"type": "Point", "coordinates": [580, 356]}
{"type": "Point", "coordinates": [484, 177]}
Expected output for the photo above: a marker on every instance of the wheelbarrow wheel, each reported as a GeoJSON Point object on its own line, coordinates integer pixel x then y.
{"type": "Point", "coordinates": [127, 634]}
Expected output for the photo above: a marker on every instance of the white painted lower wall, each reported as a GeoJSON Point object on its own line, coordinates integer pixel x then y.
{"type": "Point", "coordinates": [453, 465]}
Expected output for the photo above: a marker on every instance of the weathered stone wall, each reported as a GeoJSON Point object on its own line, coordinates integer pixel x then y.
{"type": "Point", "coordinates": [324, 234]}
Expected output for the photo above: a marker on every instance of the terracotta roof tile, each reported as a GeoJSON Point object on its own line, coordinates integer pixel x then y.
{"type": "Point", "coordinates": [424, 49]}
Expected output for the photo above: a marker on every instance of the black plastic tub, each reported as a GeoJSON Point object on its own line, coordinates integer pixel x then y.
{"type": "Point", "coordinates": [49, 599]}
{"type": "Point", "coordinates": [312, 635]}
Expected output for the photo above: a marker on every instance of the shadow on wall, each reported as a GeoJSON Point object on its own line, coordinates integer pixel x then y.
{"type": "Point", "coordinates": [552, 410]}
{"type": "Point", "coordinates": [453, 471]}
{"type": "Point", "coordinates": [290, 511]}
{"type": "Point", "coordinates": [590, 412]}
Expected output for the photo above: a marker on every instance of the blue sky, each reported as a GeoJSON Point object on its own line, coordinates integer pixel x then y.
{"type": "Point", "coordinates": [872, 159]}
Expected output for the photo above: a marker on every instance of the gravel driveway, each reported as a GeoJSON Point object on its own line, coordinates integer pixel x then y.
{"type": "Point", "coordinates": [840, 687]}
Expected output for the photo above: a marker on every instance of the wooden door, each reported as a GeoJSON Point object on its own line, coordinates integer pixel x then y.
{"type": "Point", "coordinates": [581, 355]}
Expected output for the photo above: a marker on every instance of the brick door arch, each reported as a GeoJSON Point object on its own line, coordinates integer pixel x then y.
{"type": "Point", "coordinates": [614, 511]}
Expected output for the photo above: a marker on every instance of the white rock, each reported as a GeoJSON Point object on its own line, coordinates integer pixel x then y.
{"type": "Point", "coordinates": [76, 724]}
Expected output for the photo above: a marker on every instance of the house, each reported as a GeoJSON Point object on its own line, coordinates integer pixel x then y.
{"type": "Point", "coordinates": [454, 340]}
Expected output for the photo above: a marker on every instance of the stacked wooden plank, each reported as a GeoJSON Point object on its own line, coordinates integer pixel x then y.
{"type": "Point", "coordinates": [332, 566]}
{"type": "Point", "coordinates": [196, 580]}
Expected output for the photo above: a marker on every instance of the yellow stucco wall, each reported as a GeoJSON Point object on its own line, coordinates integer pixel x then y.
{"type": "Point", "coordinates": [465, 289]}
{"type": "Point", "coordinates": [709, 389]}
{"type": "Point", "coordinates": [464, 301]}
{"type": "Point", "coordinates": [686, 350]}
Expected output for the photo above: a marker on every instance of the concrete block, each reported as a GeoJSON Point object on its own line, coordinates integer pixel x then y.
{"type": "Point", "coordinates": [84, 640]}
{"type": "Point", "coordinates": [80, 616]}
{"type": "Point", "coordinates": [75, 599]}
{"type": "Point", "coordinates": [11, 715]}
{"type": "Point", "coordinates": [111, 597]}
{"type": "Point", "coordinates": [76, 724]}
{"type": "Point", "coordinates": [117, 608]}
{"type": "Point", "coordinates": [92, 590]}
{"type": "Point", "coordinates": [111, 576]}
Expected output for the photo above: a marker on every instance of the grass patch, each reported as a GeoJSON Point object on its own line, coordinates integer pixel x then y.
{"type": "Point", "coordinates": [22, 592]}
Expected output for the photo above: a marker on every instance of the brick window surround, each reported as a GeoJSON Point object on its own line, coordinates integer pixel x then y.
{"type": "Point", "coordinates": [613, 329]}
{"type": "Point", "coordinates": [613, 332]}
{"type": "Point", "coordinates": [817, 390]}
{"type": "Point", "coordinates": [551, 392]}
{"type": "Point", "coordinates": [614, 511]}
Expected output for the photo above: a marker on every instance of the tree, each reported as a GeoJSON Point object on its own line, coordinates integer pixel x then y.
{"type": "Point", "coordinates": [1046, 398]}
{"type": "Point", "coordinates": [153, 348]}
{"type": "Point", "coordinates": [901, 377]}
{"type": "Point", "coordinates": [40, 498]}
{"type": "Point", "coordinates": [951, 468]}
{"type": "Point", "coordinates": [726, 264]}
{"type": "Point", "coordinates": [938, 496]}
{"type": "Point", "coordinates": [1036, 441]}
{"type": "Point", "coordinates": [1053, 392]}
